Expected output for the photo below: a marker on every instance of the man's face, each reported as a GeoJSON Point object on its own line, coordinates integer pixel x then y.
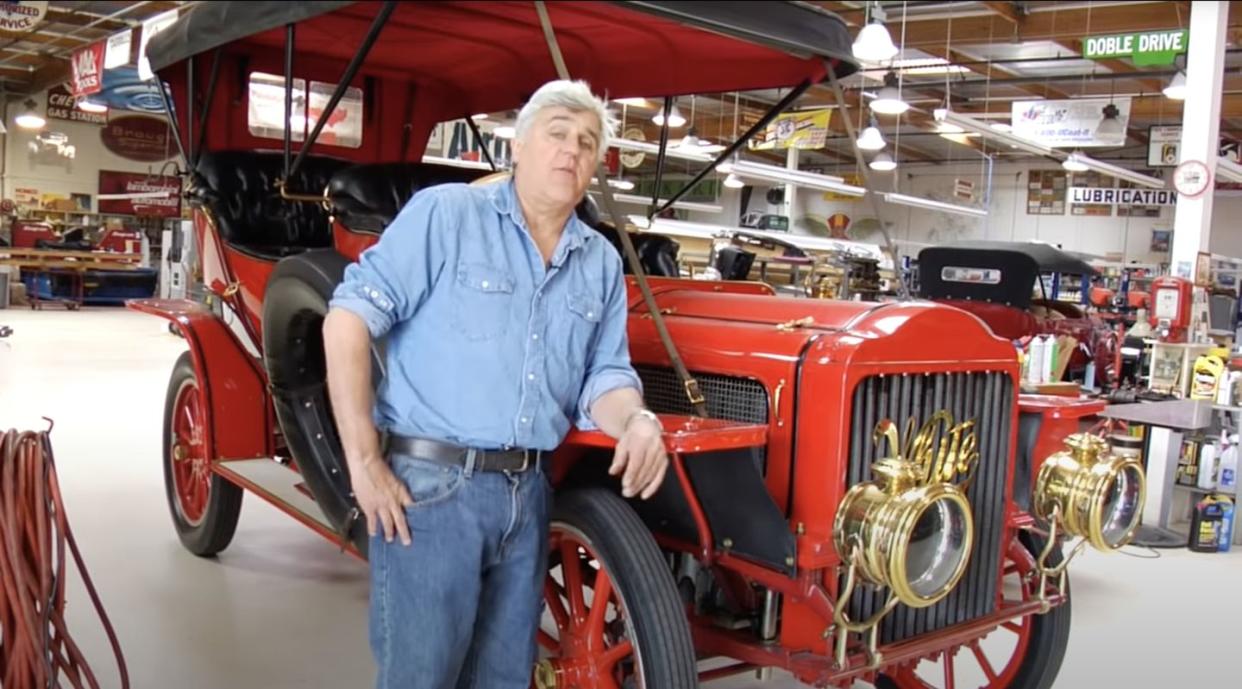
{"type": "Point", "coordinates": [558, 153]}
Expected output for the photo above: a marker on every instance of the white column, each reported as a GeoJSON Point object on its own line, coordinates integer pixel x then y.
{"type": "Point", "coordinates": [1205, 64]}
{"type": "Point", "coordinates": [791, 190]}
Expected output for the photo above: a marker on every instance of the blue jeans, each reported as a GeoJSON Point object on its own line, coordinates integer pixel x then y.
{"type": "Point", "coordinates": [459, 607]}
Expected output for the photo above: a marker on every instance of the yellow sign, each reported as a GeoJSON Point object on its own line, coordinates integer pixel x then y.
{"type": "Point", "coordinates": [804, 130]}
{"type": "Point", "coordinates": [852, 179]}
{"type": "Point", "coordinates": [958, 446]}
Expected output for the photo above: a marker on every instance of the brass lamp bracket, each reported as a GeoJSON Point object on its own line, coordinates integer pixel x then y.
{"type": "Point", "coordinates": [1041, 563]}
{"type": "Point", "coordinates": [843, 626]}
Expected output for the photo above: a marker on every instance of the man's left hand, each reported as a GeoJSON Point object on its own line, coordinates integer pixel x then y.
{"type": "Point", "coordinates": [641, 456]}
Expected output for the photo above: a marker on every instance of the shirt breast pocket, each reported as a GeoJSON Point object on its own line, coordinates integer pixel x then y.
{"type": "Point", "coordinates": [482, 301]}
{"type": "Point", "coordinates": [585, 312]}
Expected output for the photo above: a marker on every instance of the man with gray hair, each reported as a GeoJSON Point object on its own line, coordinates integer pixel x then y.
{"type": "Point", "coordinates": [506, 323]}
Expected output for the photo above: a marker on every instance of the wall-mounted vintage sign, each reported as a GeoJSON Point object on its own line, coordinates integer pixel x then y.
{"type": "Point", "coordinates": [1165, 143]}
{"type": "Point", "coordinates": [119, 50]}
{"type": "Point", "coordinates": [62, 105]}
{"type": "Point", "coordinates": [20, 17]}
{"type": "Point", "coordinates": [138, 137]}
{"type": "Point", "coordinates": [1071, 123]}
{"type": "Point", "coordinates": [162, 194]}
{"type": "Point", "coordinates": [1146, 48]}
{"type": "Point", "coordinates": [1123, 197]}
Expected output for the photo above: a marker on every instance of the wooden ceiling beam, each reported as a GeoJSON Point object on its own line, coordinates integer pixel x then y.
{"type": "Point", "coordinates": [993, 71]}
{"type": "Point", "coordinates": [1007, 10]}
{"type": "Point", "coordinates": [1116, 66]}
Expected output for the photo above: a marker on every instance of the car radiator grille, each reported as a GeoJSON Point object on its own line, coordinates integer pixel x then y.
{"type": "Point", "coordinates": [985, 397]}
{"type": "Point", "coordinates": [728, 397]}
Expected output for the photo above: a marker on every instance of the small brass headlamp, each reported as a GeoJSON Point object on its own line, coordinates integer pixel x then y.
{"type": "Point", "coordinates": [1096, 494]}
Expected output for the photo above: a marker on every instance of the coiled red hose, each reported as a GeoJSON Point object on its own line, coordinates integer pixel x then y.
{"type": "Point", "coordinates": [36, 649]}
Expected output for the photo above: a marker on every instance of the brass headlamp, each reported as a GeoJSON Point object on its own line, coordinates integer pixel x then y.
{"type": "Point", "coordinates": [910, 530]}
{"type": "Point", "coordinates": [1096, 494]}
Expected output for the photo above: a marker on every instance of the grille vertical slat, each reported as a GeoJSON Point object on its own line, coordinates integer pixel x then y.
{"type": "Point", "coordinates": [985, 397]}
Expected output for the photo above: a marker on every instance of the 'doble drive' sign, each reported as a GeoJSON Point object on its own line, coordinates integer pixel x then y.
{"type": "Point", "coordinates": [1146, 48]}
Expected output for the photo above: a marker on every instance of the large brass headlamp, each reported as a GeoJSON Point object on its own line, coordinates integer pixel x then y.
{"type": "Point", "coordinates": [908, 530]}
{"type": "Point", "coordinates": [1097, 495]}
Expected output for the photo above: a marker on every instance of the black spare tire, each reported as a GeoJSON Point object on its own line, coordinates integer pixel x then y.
{"type": "Point", "coordinates": [294, 307]}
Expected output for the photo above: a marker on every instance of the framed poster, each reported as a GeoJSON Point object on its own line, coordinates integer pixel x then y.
{"type": "Point", "coordinates": [1045, 192]}
{"type": "Point", "coordinates": [1160, 240]}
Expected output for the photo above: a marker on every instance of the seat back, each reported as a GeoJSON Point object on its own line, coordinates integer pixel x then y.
{"type": "Point", "coordinates": [366, 198]}
{"type": "Point", "coordinates": [239, 188]}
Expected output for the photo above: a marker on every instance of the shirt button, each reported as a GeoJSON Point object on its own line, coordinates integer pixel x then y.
{"type": "Point", "coordinates": [485, 284]}
{"type": "Point", "coordinates": [530, 376]}
{"type": "Point", "coordinates": [525, 420]}
{"type": "Point", "coordinates": [535, 336]}
{"type": "Point", "coordinates": [590, 314]}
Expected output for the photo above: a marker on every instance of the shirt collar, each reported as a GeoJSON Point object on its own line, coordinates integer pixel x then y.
{"type": "Point", "coordinates": [504, 199]}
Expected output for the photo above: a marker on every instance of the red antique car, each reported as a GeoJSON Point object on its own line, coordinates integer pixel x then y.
{"type": "Point", "coordinates": [866, 491]}
{"type": "Point", "coordinates": [996, 281]}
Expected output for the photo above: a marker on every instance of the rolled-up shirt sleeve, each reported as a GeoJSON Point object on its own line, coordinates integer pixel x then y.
{"type": "Point", "coordinates": [608, 365]}
{"type": "Point", "coordinates": [391, 278]}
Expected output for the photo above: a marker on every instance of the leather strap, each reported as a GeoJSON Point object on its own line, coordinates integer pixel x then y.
{"type": "Point", "coordinates": [691, 386]}
{"type": "Point", "coordinates": [516, 460]}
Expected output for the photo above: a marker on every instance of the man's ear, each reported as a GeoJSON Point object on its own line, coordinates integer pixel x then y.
{"type": "Point", "coordinates": [516, 145]}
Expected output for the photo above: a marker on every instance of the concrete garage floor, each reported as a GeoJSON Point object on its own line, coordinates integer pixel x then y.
{"type": "Point", "coordinates": [282, 609]}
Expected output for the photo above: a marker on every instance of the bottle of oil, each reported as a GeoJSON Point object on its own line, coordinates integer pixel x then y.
{"type": "Point", "coordinates": [1205, 526]}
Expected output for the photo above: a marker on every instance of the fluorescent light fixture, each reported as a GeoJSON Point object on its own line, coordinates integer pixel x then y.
{"type": "Point", "coordinates": [504, 131]}
{"type": "Point", "coordinates": [883, 162]}
{"type": "Point", "coordinates": [920, 66]}
{"type": "Point", "coordinates": [1002, 127]}
{"type": "Point", "coordinates": [634, 102]}
{"type": "Point", "coordinates": [30, 118]}
{"type": "Point", "coordinates": [874, 44]}
{"type": "Point", "coordinates": [457, 162]}
{"type": "Point", "coordinates": [734, 182]}
{"type": "Point", "coordinates": [479, 116]}
{"type": "Point", "coordinates": [695, 154]}
{"type": "Point", "coordinates": [812, 180]}
{"type": "Point", "coordinates": [1176, 90]}
{"type": "Point", "coordinates": [87, 105]}
{"type": "Point", "coordinates": [871, 139]}
{"type": "Point", "coordinates": [675, 118]}
{"type": "Point", "coordinates": [1119, 172]}
{"type": "Point", "coordinates": [888, 101]}
{"type": "Point", "coordinates": [1228, 170]}
{"type": "Point", "coordinates": [1073, 164]}
{"type": "Point", "coordinates": [930, 204]}
{"type": "Point", "coordinates": [970, 124]}
{"type": "Point", "coordinates": [646, 200]}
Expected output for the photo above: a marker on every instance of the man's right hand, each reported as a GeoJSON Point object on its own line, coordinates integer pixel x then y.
{"type": "Point", "coordinates": [382, 497]}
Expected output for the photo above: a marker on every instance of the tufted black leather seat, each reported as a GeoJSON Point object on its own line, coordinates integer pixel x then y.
{"type": "Point", "coordinates": [366, 198]}
{"type": "Point", "coordinates": [239, 188]}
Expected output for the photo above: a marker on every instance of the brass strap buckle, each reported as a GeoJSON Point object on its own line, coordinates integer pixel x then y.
{"type": "Point", "coordinates": [230, 290]}
{"type": "Point", "coordinates": [693, 392]}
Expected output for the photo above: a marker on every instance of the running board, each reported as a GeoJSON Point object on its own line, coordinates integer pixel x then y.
{"type": "Point", "coordinates": [283, 488]}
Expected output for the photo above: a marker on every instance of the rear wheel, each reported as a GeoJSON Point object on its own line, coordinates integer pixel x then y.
{"type": "Point", "coordinates": [204, 505]}
{"type": "Point", "coordinates": [1022, 654]}
{"type": "Point", "coordinates": [616, 618]}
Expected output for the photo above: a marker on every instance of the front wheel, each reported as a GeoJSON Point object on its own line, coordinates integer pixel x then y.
{"type": "Point", "coordinates": [617, 621]}
{"type": "Point", "coordinates": [204, 505]}
{"type": "Point", "coordinates": [1021, 654]}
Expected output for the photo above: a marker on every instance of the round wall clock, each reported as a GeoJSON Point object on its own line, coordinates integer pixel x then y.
{"type": "Point", "coordinates": [1191, 178]}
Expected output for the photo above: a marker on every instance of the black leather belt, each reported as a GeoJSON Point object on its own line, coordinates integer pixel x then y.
{"type": "Point", "coordinates": [515, 460]}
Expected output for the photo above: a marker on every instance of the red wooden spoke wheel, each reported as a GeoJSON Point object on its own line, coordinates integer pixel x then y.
{"type": "Point", "coordinates": [1022, 654]}
{"type": "Point", "coordinates": [191, 475]}
{"type": "Point", "coordinates": [204, 506]}
{"type": "Point", "coordinates": [614, 619]}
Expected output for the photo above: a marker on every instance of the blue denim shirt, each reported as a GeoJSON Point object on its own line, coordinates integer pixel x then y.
{"type": "Point", "coordinates": [486, 347]}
